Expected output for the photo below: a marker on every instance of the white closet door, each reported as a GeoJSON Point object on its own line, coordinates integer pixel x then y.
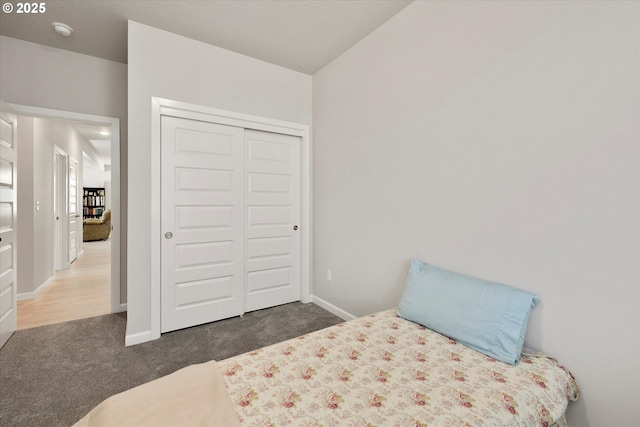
{"type": "Point", "coordinates": [202, 219]}
{"type": "Point", "coordinates": [273, 218]}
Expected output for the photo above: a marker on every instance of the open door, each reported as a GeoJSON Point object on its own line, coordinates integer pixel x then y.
{"type": "Point", "coordinates": [61, 209]}
{"type": "Point", "coordinates": [8, 220]}
{"type": "Point", "coordinates": [74, 212]}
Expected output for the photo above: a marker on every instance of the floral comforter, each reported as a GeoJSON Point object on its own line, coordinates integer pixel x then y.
{"type": "Point", "coordinates": [382, 370]}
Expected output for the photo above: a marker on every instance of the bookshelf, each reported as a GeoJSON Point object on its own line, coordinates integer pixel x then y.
{"type": "Point", "coordinates": [93, 202]}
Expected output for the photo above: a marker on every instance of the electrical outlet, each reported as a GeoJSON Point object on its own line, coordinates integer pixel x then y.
{"type": "Point", "coordinates": [329, 276]}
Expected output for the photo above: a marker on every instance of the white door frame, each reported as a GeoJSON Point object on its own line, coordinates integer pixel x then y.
{"type": "Point", "coordinates": [114, 123]}
{"type": "Point", "coordinates": [162, 106]}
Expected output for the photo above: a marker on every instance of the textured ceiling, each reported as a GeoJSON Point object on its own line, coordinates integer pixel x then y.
{"type": "Point", "coordinates": [303, 35]}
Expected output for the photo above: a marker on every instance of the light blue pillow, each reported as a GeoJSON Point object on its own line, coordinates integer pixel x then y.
{"type": "Point", "coordinates": [486, 316]}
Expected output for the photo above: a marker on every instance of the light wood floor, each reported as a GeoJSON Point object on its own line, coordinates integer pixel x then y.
{"type": "Point", "coordinates": [83, 290]}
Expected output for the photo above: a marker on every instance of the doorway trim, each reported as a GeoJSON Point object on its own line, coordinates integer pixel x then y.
{"type": "Point", "coordinates": [163, 106]}
{"type": "Point", "coordinates": [114, 123]}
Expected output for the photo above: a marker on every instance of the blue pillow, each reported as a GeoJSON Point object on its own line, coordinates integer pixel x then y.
{"type": "Point", "coordinates": [486, 316]}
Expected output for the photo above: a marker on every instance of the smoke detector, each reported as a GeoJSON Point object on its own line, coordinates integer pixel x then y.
{"type": "Point", "coordinates": [62, 29]}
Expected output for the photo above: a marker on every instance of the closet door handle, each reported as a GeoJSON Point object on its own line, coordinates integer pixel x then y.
{"type": "Point", "coordinates": [168, 235]}
{"type": "Point", "coordinates": [295, 227]}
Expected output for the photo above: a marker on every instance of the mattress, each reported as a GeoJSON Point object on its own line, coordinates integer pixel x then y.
{"type": "Point", "coordinates": [382, 370]}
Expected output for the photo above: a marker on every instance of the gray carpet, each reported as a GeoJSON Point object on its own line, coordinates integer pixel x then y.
{"type": "Point", "coordinates": [53, 375]}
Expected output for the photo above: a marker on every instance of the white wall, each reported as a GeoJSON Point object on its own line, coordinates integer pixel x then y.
{"type": "Point", "coordinates": [501, 140]}
{"type": "Point", "coordinates": [40, 76]}
{"type": "Point", "coordinates": [47, 77]}
{"type": "Point", "coordinates": [169, 66]}
{"type": "Point", "coordinates": [26, 203]}
{"type": "Point", "coordinates": [93, 177]}
{"type": "Point", "coordinates": [42, 260]}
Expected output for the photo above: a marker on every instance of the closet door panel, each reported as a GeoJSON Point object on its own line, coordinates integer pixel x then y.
{"type": "Point", "coordinates": [272, 219]}
{"type": "Point", "coordinates": [202, 220]}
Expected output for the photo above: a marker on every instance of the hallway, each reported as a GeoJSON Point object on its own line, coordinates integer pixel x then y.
{"type": "Point", "coordinates": [83, 290]}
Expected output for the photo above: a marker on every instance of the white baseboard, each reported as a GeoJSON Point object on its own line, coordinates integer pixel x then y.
{"type": "Point", "coordinates": [32, 295]}
{"type": "Point", "coordinates": [123, 307]}
{"type": "Point", "coordinates": [139, 338]}
{"type": "Point", "coordinates": [332, 308]}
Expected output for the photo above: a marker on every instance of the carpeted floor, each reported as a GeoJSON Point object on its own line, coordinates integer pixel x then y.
{"type": "Point", "coordinates": [53, 375]}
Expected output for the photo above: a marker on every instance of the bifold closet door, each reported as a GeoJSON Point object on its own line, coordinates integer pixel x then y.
{"type": "Point", "coordinates": [203, 221]}
{"type": "Point", "coordinates": [273, 218]}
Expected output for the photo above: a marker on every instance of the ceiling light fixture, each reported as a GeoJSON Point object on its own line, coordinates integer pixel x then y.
{"type": "Point", "coordinates": [62, 29]}
{"type": "Point", "coordinates": [105, 132]}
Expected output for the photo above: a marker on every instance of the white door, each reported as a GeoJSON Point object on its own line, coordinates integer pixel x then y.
{"type": "Point", "coordinates": [74, 214]}
{"type": "Point", "coordinates": [202, 221]}
{"type": "Point", "coordinates": [273, 218]}
{"type": "Point", "coordinates": [8, 218]}
{"type": "Point", "coordinates": [61, 209]}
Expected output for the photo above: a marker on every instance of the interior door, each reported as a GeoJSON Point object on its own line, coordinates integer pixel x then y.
{"type": "Point", "coordinates": [273, 218]}
{"type": "Point", "coordinates": [8, 218]}
{"type": "Point", "coordinates": [202, 220]}
{"type": "Point", "coordinates": [74, 214]}
{"type": "Point", "coordinates": [61, 209]}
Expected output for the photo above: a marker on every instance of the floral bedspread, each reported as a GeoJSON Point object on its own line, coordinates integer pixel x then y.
{"type": "Point", "coordinates": [382, 370]}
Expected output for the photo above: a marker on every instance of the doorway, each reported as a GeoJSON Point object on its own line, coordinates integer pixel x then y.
{"type": "Point", "coordinates": [60, 190]}
{"type": "Point", "coordinates": [92, 257]}
{"type": "Point", "coordinates": [67, 233]}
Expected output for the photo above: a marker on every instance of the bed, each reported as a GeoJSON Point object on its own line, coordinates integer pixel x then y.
{"type": "Point", "coordinates": [382, 370]}
{"type": "Point", "coordinates": [451, 354]}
